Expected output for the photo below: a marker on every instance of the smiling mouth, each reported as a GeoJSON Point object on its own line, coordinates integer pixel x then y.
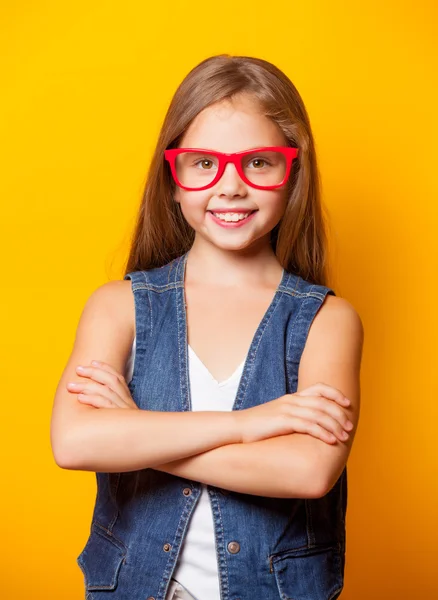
{"type": "Point", "coordinates": [233, 217]}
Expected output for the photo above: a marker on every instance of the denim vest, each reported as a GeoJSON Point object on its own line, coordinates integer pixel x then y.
{"type": "Point", "coordinates": [267, 548]}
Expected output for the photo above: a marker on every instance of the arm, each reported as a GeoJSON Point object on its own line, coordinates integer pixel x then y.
{"type": "Point", "coordinates": [115, 439]}
{"type": "Point", "coordinates": [276, 467]}
{"type": "Point", "coordinates": [295, 465]}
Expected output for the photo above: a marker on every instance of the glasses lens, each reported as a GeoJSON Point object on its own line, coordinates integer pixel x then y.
{"type": "Point", "coordinates": [196, 169]}
{"type": "Point", "coordinates": [265, 168]}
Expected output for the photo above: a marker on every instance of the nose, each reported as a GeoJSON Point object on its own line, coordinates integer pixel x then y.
{"type": "Point", "coordinates": [230, 183]}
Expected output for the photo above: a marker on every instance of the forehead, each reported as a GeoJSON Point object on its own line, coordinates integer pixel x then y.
{"type": "Point", "coordinates": [231, 126]}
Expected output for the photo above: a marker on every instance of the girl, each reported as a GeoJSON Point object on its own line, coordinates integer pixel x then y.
{"type": "Point", "coordinates": [222, 412]}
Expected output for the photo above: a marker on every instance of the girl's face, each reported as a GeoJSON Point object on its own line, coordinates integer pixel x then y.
{"type": "Point", "coordinates": [231, 127]}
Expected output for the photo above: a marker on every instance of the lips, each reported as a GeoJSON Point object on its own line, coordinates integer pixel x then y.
{"type": "Point", "coordinates": [233, 223]}
{"type": "Point", "coordinates": [238, 212]}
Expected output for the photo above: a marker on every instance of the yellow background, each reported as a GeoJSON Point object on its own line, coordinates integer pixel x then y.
{"type": "Point", "coordinates": [84, 89]}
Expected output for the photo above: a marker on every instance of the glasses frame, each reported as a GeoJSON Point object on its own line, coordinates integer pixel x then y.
{"type": "Point", "coordinates": [234, 157]}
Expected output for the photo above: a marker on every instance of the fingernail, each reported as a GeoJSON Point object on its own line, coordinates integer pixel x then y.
{"type": "Point", "coordinates": [80, 368]}
{"type": "Point", "coordinates": [95, 362]}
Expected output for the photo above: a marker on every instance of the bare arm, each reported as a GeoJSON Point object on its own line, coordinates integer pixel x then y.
{"type": "Point", "coordinates": [295, 465]}
{"type": "Point", "coordinates": [278, 467]}
{"type": "Point", "coordinates": [114, 439]}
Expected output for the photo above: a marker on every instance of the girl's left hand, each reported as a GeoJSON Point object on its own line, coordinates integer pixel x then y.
{"type": "Point", "coordinates": [106, 389]}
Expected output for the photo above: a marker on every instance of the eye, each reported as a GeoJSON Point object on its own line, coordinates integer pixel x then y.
{"type": "Point", "coordinates": [260, 160]}
{"type": "Point", "coordinates": [203, 162]}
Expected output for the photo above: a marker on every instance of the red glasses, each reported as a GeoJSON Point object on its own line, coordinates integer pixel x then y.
{"type": "Point", "coordinates": [199, 169]}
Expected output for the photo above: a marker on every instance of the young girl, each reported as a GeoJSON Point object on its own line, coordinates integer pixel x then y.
{"type": "Point", "coordinates": [221, 414]}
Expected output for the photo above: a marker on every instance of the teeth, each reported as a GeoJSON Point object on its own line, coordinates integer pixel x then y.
{"type": "Point", "coordinates": [231, 216]}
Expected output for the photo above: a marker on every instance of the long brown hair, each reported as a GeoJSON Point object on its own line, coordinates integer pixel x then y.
{"type": "Point", "coordinates": [299, 240]}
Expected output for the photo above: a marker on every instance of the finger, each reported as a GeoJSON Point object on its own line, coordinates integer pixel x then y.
{"type": "Point", "coordinates": [313, 429]}
{"type": "Point", "coordinates": [328, 391]}
{"type": "Point", "coordinates": [324, 420]}
{"type": "Point", "coordinates": [99, 389]}
{"type": "Point", "coordinates": [125, 395]}
{"type": "Point", "coordinates": [320, 403]}
{"type": "Point", "coordinates": [112, 379]}
{"type": "Point", "coordinates": [107, 367]}
{"type": "Point", "coordinates": [95, 400]}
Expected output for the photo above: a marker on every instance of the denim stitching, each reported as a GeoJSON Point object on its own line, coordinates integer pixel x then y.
{"type": "Point", "coordinates": [110, 533]}
{"type": "Point", "coordinates": [245, 375]}
{"type": "Point", "coordinates": [183, 358]}
{"type": "Point", "coordinates": [272, 308]}
{"type": "Point", "coordinates": [145, 286]}
{"type": "Point", "coordinates": [165, 287]}
{"type": "Point", "coordinates": [114, 519]}
{"type": "Point", "coordinates": [317, 295]}
{"type": "Point", "coordinates": [185, 515]}
{"type": "Point", "coordinates": [222, 563]}
{"type": "Point", "coordinates": [336, 592]}
{"type": "Point", "coordinates": [309, 523]}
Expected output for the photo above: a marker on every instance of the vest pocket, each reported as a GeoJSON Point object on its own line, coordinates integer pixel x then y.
{"type": "Point", "coordinates": [101, 559]}
{"type": "Point", "coordinates": [309, 573]}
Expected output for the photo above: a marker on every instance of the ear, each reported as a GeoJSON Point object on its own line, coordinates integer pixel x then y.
{"type": "Point", "coordinates": [176, 195]}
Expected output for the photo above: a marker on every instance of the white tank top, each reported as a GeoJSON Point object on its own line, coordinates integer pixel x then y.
{"type": "Point", "coordinates": [196, 568]}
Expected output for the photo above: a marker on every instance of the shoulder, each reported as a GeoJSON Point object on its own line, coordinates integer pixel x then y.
{"type": "Point", "coordinates": [112, 290]}
{"type": "Point", "coordinates": [113, 300]}
{"type": "Point", "coordinates": [111, 293]}
{"type": "Point", "coordinates": [337, 313]}
{"type": "Point", "coordinates": [336, 333]}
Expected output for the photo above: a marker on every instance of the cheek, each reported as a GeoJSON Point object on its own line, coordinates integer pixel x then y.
{"type": "Point", "coordinates": [274, 206]}
{"type": "Point", "coordinates": [193, 206]}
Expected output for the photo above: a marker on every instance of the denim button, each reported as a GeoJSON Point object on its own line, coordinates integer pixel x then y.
{"type": "Point", "coordinates": [234, 547]}
{"type": "Point", "coordinates": [187, 491]}
{"type": "Point", "coordinates": [167, 547]}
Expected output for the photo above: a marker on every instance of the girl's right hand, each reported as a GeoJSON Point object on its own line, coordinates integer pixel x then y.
{"type": "Point", "coordinates": [316, 410]}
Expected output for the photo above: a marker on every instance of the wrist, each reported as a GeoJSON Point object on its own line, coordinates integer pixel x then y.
{"type": "Point", "coordinates": [236, 426]}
